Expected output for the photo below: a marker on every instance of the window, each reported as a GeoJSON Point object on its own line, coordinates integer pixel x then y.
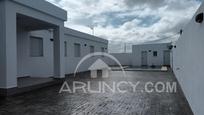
{"type": "Point", "coordinates": [36, 46]}
{"type": "Point", "coordinates": [155, 53]}
{"type": "Point", "coordinates": [77, 50]}
{"type": "Point", "coordinates": [65, 48]}
{"type": "Point", "coordinates": [91, 49]}
{"type": "Point", "coordinates": [102, 49]}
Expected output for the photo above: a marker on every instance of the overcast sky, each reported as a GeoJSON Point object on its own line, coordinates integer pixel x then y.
{"type": "Point", "coordinates": [128, 21]}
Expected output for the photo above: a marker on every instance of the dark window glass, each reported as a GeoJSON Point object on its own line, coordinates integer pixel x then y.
{"type": "Point", "coordinates": [155, 53]}
{"type": "Point", "coordinates": [36, 46]}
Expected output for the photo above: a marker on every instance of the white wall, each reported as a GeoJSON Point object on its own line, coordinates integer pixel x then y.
{"type": "Point", "coordinates": [72, 37]}
{"type": "Point", "coordinates": [9, 10]}
{"type": "Point", "coordinates": [134, 58]}
{"type": "Point", "coordinates": [43, 66]}
{"type": "Point", "coordinates": [123, 58]}
{"type": "Point", "coordinates": [8, 46]}
{"type": "Point", "coordinates": [151, 60]}
{"type": "Point", "coordinates": [188, 63]}
{"type": "Point", "coordinates": [34, 66]}
{"type": "Point", "coordinates": [2, 46]}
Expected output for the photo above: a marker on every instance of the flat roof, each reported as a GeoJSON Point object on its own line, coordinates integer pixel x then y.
{"type": "Point", "coordinates": [45, 7]}
{"type": "Point", "coordinates": [151, 44]}
{"type": "Point", "coordinates": [82, 35]}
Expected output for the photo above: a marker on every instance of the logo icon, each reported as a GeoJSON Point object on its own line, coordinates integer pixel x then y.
{"type": "Point", "coordinates": [99, 65]}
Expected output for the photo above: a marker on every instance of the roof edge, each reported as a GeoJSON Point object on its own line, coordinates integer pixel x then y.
{"type": "Point", "coordinates": [45, 7]}
{"type": "Point", "coordinates": [82, 35]}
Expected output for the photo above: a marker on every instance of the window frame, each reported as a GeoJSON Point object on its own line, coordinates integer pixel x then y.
{"type": "Point", "coordinates": [65, 49]}
{"type": "Point", "coordinates": [41, 52]}
{"type": "Point", "coordinates": [102, 49]}
{"type": "Point", "coordinates": [91, 49]}
{"type": "Point", "coordinates": [79, 52]}
{"type": "Point", "coordinates": [155, 53]}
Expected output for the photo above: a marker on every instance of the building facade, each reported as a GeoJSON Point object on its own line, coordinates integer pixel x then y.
{"type": "Point", "coordinates": [34, 42]}
{"type": "Point", "coordinates": [146, 55]}
{"type": "Point", "coordinates": [188, 61]}
{"type": "Point", "coordinates": [151, 54]}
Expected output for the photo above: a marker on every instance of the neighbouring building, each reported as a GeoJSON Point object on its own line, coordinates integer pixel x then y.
{"type": "Point", "coordinates": [188, 64]}
{"type": "Point", "coordinates": [151, 54]}
{"type": "Point", "coordinates": [35, 43]}
{"type": "Point", "coordinates": [147, 55]}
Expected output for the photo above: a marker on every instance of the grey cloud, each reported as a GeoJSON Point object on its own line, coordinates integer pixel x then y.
{"type": "Point", "coordinates": [151, 3]}
{"type": "Point", "coordinates": [83, 21]}
{"type": "Point", "coordinates": [180, 4]}
{"type": "Point", "coordinates": [90, 2]}
{"type": "Point", "coordinates": [135, 21]}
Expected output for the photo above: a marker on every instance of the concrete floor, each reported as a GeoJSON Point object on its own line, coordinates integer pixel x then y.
{"type": "Point", "coordinates": [48, 101]}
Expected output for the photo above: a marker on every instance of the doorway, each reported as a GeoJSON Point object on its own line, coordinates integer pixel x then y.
{"type": "Point", "coordinates": [144, 58]}
{"type": "Point", "coordinates": [167, 58]}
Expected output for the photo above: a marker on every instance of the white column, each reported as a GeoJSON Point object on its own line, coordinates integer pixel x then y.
{"type": "Point", "coordinates": [59, 71]}
{"type": "Point", "coordinates": [2, 46]}
{"type": "Point", "coordinates": [8, 47]}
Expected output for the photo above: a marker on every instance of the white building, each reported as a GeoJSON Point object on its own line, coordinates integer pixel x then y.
{"type": "Point", "coordinates": [34, 42]}
{"type": "Point", "coordinates": [76, 45]}
{"type": "Point", "coordinates": [155, 54]}
{"type": "Point", "coordinates": [151, 54]}
{"type": "Point", "coordinates": [79, 45]}
{"type": "Point", "coordinates": [188, 62]}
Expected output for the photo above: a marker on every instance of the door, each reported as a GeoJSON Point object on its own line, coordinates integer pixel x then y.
{"type": "Point", "coordinates": [144, 58]}
{"type": "Point", "coordinates": [167, 58]}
